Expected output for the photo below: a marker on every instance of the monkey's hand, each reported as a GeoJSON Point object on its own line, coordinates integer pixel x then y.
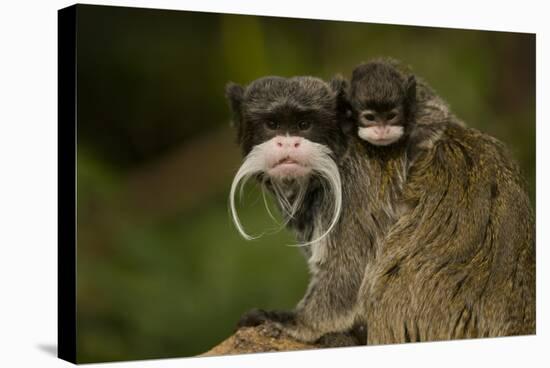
{"type": "Point", "coordinates": [274, 323]}
{"type": "Point", "coordinates": [307, 330]}
{"type": "Point", "coordinates": [291, 323]}
{"type": "Point", "coordinates": [318, 334]}
{"type": "Point", "coordinates": [277, 323]}
{"type": "Point", "coordinates": [255, 317]}
{"type": "Point", "coordinates": [285, 322]}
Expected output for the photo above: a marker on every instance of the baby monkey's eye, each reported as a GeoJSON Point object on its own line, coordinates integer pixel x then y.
{"type": "Point", "coordinates": [304, 125]}
{"type": "Point", "coordinates": [271, 125]}
{"type": "Point", "coordinates": [369, 117]}
{"type": "Point", "coordinates": [391, 115]}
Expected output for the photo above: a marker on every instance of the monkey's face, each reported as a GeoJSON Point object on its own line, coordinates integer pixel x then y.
{"type": "Point", "coordinates": [379, 110]}
{"type": "Point", "coordinates": [289, 133]}
{"type": "Point", "coordinates": [290, 123]}
{"type": "Point", "coordinates": [290, 137]}
{"type": "Point", "coordinates": [382, 102]}
{"type": "Point", "coordinates": [381, 128]}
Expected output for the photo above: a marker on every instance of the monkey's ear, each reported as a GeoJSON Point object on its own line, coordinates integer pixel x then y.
{"type": "Point", "coordinates": [234, 94]}
{"type": "Point", "coordinates": [410, 88]}
{"type": "Point", "coordinates": [340, 87]}
{"type": "Point", "coordinates": [338, 84]}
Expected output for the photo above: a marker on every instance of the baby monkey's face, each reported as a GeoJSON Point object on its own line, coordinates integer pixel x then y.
{"type": "Point", "coordinates": [381, 127]}
{"type": "Point", "coordinates": [382, 101]}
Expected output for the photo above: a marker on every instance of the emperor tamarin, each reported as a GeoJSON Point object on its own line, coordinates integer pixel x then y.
{"type": "Point", "coordinates": [439, 248]}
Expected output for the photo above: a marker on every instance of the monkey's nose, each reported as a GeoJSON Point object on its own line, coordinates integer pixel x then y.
{"type": "Point", "coordinates": [288, 142]}
{"type": "Point", "coordinates": [381, 130]}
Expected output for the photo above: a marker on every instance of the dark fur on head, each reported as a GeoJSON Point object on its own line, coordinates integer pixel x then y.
{"type": "Point", "coordinates": [287, 102]}
{"type": "Point", "coordinates": [380, 86]}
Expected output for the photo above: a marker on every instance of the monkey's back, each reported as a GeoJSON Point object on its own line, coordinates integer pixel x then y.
{"type": "Point", "coordinates": [461, 262]}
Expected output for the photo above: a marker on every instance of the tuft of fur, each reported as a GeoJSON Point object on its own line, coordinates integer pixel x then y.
{"type": "Point", "coordinates": [290, 193]}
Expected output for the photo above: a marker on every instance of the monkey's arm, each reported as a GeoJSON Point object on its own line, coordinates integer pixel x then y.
{"type": "Point", "coordinates": [329, 303]}
{"type": "Point", "coordinates": [328, 306]}
{"type": "Point", "coordinates": [326, 311]}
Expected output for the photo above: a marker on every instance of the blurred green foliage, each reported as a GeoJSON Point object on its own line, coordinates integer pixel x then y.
{"type": "Point", "coordinates": [172, 277]}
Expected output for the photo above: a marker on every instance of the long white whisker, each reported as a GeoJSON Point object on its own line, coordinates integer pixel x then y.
{"type": "Point", "coordinates": [290, 195]}
{"type": "Point", "coordinates": [263, 189]}
{"type": "Point", "coordinates": [253, 163]}
{"type": "Point", "coordinates": [328, 169]}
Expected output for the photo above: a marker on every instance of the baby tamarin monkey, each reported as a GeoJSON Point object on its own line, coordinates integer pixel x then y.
{"type": "Point", "coordinates": [382, 102]}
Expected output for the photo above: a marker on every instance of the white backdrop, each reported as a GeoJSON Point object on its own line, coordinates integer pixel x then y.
{"type": "Point", "coordinates": [28, 181]}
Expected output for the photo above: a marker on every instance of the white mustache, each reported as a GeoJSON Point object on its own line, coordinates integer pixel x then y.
{"type": "Point", "coordinates": [322, 165]}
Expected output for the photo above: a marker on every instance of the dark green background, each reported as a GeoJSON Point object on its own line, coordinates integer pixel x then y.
{"type": "Point", "coordinates": [161, 270]}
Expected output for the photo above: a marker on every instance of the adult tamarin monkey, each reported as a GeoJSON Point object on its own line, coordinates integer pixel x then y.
{"type": "Point", "coordinates": [440, 248]}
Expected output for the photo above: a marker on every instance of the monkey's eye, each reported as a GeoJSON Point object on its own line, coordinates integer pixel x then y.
{"type": "Point", "coordinates": [271, 124]}
{"type": "Point", "coordinates": [304, 125]}
{"type": "Point", "coordinates": [369, 117]}
{"type": "Point", "coordinates": [391, 115]}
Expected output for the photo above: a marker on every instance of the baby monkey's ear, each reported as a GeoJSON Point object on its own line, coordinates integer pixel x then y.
{"type": "Point", "coordinates": [410, 88]}
{"type": "Point", "coordinates": [343, 107]}
{"type": "Point", "coordinates": [410, 103]}
{"type": "Point", "coordinates": [339, 85]}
